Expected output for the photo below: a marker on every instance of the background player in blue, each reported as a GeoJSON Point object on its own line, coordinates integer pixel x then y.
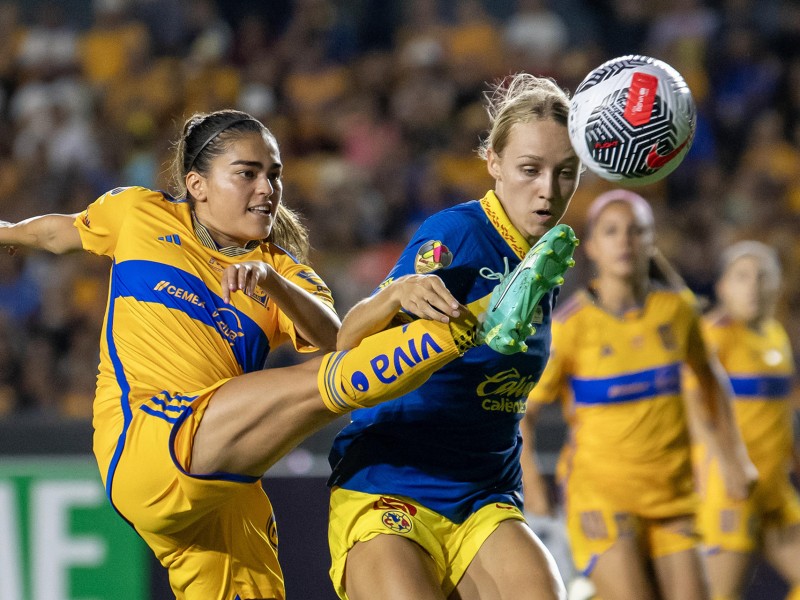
{"type": "Point", "coordinates": [186, 419]}
{"type": "Point", "coordinates": [426, 499]}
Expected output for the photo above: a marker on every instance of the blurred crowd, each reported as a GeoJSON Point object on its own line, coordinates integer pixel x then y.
{"type": "Point", "coordinates": [377, 107]}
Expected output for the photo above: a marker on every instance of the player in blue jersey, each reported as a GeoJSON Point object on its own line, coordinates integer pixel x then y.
{"type": "Point", "coordinates": [426, 491]}
{"type": "Point", "coordinates": [202, 286]}
{"type": "Point", "coordinates": [626, 474]}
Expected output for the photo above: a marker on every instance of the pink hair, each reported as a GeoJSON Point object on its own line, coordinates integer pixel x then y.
{"type": "Point", "coordinates": [640, 206]}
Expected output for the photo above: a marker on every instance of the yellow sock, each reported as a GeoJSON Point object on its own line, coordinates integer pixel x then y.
{"type": "Point", "coordinates": [794, 593]}
{"type": "Point", "coordinates": [390, 363]}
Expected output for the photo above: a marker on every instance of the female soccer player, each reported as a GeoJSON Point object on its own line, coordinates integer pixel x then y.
{"type": "Point", "coordinates": [426, 491]}
{"type": "Point", "coordinates": [201, 288]}
{"type": "Point", "coordinates": [754, 349]}
{"type": "Point", "coordinates": [626, 474]}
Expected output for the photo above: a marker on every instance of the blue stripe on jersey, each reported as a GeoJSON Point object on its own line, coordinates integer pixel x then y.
{"type": "Point", "coordinates": [160, 415]}
{"type": "Point", "coordinates": [172, 403]}
{"type": "Point", "coordinates": [168, 407]}
{"type": "Point", "coordinates": [630, 387]}
{"type": "Point", "coordinates": [148, 281]}
{"type": "Point", "coordinates": [124, 388]}
{"type": "Point", "coordinates": [765, 386]}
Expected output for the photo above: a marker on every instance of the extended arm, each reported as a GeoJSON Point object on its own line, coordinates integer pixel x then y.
{"type": "Point", "coordinates": [715, 416]}
{"type": "Point", "coordinates": [53, 233]}
{"type": "Point", "coordinates": [423, 295]}
{"type": "Point", "coordinates": [662, 270]}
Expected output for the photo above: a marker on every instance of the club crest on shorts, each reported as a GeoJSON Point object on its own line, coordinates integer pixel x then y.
{"type": "Point", "coordinates": [431, 256]}
{"type": "Point", "coordinates": [272, 532]}
{"type": "Point", "coordinates": [398, 521]}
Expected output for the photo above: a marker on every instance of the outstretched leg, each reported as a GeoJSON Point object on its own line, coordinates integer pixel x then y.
{"type": "Point", "coordinates": [255, 419]}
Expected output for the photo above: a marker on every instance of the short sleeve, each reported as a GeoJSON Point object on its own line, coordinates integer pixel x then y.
{"type": "Point", "coordinates": [441, 246]}
{"type": "Point", "coordinates": [306, 278]}
{"type": "Point", "coordinates": [100, 223]}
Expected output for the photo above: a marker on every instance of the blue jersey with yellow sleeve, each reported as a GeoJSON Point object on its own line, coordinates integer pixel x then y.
{"type": "Point", "coordinates": [453, 444]}
{"type": "Point", "coordinates": [621, 378]}
{"type": "Point", "coordinates": [761, 368]}
{"type": "Point", "coordinates": [167, 331]}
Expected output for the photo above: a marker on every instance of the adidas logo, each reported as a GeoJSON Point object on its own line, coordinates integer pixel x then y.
{"type": "Point", "coordinates": [170, 239]}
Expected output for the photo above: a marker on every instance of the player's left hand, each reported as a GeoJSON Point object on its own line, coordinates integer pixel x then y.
{"type": "Point", "coordinates": [740, 478]}
{"type": "Point", "coordinates": [244, 276]}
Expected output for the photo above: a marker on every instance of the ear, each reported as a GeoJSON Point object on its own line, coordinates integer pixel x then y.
{"type": "Point", "coordinates": [196, 186]}
{"type": "Point", "coordinates": [493, 164]}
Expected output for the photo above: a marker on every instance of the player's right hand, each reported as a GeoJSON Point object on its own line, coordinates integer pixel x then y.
{"type": "Point", "coordinates": [427, 297]}
{"type": "Point", "coordinates": [244, 276]}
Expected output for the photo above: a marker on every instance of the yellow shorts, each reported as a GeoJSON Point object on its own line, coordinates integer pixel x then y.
{"type": "Point", "coordinates": [216, 534]}
{"type": "Point", "coordinates": [600, 511]}
{"type": "Point", "coordinates": [593, 532]}
{"type": "Point", "coordinates": [737, 526]}
{"type": "Point", "coordinates": [358, 517]}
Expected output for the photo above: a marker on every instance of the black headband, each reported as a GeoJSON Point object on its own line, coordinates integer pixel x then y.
{"type": "Point", "coordinates": [215, 133]}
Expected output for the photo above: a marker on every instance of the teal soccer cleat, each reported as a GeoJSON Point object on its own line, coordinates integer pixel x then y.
{"type": "Point", "coordinates": [511, 305]}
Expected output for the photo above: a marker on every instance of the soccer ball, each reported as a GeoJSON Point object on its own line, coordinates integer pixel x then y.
{"type": "Point", "coordinates": [632, 120]}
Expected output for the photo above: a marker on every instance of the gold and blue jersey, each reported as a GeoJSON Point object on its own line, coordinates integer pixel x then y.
{"type": "Point", "coordinates": [761, 369]}
{"type": "Point", "coordinates": [620, 378]}
{"type": "Point", "coordinates": [167, 331]}
{"type": "Point", "coordinates": [453, 444]}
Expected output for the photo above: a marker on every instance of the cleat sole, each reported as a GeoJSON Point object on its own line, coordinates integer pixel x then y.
{"type": "Point", "coordinates": [508, 320]}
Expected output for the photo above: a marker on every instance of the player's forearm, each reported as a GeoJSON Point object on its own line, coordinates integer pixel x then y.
{"type": "Point", "coordinates": [725, 434]}
{"type": "Point", "coordinates": [717, 406]}
{"type": "Point", "coordinates": [369, 316]}
{"type": "Point", "coordinates": [53, 233]}
{"type": "Point", "coordinates": [738, 471]}
{"type": "Point", "coordinates": [316, 322]}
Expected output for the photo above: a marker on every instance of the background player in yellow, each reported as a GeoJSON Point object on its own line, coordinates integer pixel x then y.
{"type": "Point", "coordinates": [625, 473]}
{"type": "Point", "coordinates": [754, 350]}
{"type": "Point", "coordinates": [202, 286]}
{"type": "Point", "coordinates": [426, 490]}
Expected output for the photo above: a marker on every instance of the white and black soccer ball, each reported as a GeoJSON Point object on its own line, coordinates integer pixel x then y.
{"type": "Point", "coordinates": [632, 120]}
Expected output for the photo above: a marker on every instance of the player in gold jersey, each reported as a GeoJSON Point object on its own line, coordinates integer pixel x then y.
{"type": "Point", "coordinates": [202, 286]}
{"type": "Point", "coordinates": [626, 473]}
{"type": "Point", "coordinates": [754, 349]}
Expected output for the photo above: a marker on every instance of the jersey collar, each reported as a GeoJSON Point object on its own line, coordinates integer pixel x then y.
{"type": "Point", "coordinates": [202, 233]}
{"type": "Point", "coordinates": [498, 218]}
